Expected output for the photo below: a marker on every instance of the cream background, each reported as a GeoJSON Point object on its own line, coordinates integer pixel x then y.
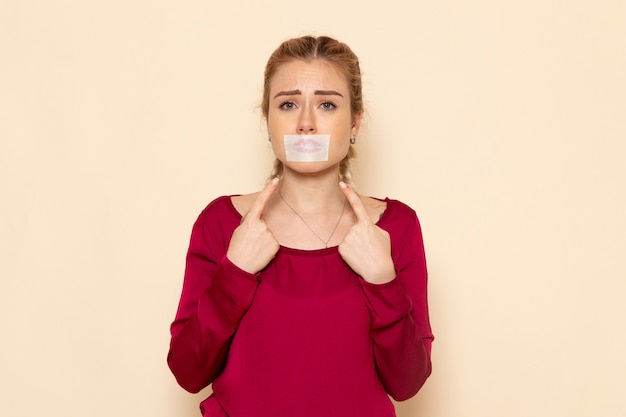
{"type": "Point", "coordinates": [501, 122]}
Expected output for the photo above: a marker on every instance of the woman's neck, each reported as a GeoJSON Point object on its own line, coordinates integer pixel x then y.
{"type": "Point", "coordinates": [312, 194]}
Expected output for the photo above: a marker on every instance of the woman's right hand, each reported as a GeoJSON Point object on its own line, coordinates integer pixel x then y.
{"type": "Point", "coordinates": [253, 245]}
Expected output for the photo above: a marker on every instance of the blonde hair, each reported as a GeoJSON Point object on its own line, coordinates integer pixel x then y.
{"type": "Point", "coordinates": [324, 48]}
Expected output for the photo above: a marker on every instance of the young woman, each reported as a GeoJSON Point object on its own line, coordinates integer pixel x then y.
{"type": "Point", "coordinates": [305, 299]}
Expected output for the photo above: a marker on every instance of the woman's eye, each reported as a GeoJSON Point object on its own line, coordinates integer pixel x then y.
{"type": "Point", "coordinates": [327, 105]}
{"type": "Point", "coordinates": [287, 105]}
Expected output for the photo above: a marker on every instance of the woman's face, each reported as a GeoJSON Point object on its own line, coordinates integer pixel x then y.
{"type": "Point", "coordinates": [311, 98]}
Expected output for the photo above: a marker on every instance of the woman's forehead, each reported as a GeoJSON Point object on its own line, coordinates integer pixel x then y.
{"type": "Point", "coordinates": [316, 74]}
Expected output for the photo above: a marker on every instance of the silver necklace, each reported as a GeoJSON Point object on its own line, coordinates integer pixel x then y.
{"type": "Point", "coordinates": [325, 242]}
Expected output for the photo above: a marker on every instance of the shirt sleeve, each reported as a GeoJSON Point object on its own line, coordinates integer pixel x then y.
{"type": "Point", "coordinates": [215, 296]}
{"type": "Point", "coordinates": [401, 331]}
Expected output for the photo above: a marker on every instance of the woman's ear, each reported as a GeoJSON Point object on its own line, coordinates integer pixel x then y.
{"type": "Point", "coordinates": [356, 124]}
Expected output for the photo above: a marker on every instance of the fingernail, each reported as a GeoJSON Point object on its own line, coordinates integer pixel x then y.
{"type": "Point", "coordinates": [343, 185]}
{"type": "Point", "coordinates": [274, 181]}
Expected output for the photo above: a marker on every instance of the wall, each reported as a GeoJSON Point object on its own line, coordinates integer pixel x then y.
{"type": "Point", "coordinates": [501, 122]}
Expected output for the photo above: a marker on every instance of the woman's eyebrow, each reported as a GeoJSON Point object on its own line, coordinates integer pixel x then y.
{"type": "Point", "coordinates": [289, 93]}
{"type": "Point", "coordinates": [327, 93]}
{"type": "Point", "coordinates": [317, 93]}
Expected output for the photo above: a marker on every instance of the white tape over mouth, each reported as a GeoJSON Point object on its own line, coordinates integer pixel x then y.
{"type": "Point", "coordinates": [307, 148]}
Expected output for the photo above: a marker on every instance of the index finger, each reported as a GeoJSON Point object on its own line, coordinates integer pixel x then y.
{"type": "Point", "coordinates": [355, 202]}
{"type": "Point", "coordinates": [259, 204]}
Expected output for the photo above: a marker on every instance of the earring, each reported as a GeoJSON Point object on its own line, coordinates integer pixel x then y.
{"type": "Point", "coordinates": [353, 140]}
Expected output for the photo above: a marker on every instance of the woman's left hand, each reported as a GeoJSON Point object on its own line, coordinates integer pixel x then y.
{"type": "Point", "coordinates": [367, 247]}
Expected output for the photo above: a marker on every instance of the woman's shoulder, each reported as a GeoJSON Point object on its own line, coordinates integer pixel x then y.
{"type": "Point", "coordinates": [402, 223]}
{"type": "Point", "coordinates": [243, 202]}
{"type": "Point", "coordinates": [218, 209]}
{"type": "Point", "coordinates": [390, 209]}
{"type": "Point", "coordinates": [229, 206]}
{"type": "Point", "coordinates": [402, 207]}
{"type": "Point", "coordinates": [376, 207]}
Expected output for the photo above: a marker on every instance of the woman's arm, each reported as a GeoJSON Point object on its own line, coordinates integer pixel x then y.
{"type": "Point", "coordinates": [221, 278]}
{"type": "Point", "coordinates": [401, 329]}
{"type": "Point", "coordinates": [216, 294]}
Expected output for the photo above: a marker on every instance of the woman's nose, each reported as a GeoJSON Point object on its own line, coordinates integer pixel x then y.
{"type": "Point", "coordinates": [306, 123]}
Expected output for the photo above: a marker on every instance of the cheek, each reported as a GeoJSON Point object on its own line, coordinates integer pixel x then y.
{"type": "Point", "coordinates": [275, 132]}
{"type": "Point", "coordinates": [274, 120]}
{"type": "Point", "coordinates": [278, 147]}
{"type": "Point", "coordinates": [339, 149]}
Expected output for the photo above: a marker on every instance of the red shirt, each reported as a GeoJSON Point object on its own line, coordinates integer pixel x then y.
{"type": "Point", "coordinates": [306, 336]}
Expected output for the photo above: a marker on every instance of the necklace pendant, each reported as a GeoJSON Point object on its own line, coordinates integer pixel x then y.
{"type": "Point", "coordinates": [325, 242]}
